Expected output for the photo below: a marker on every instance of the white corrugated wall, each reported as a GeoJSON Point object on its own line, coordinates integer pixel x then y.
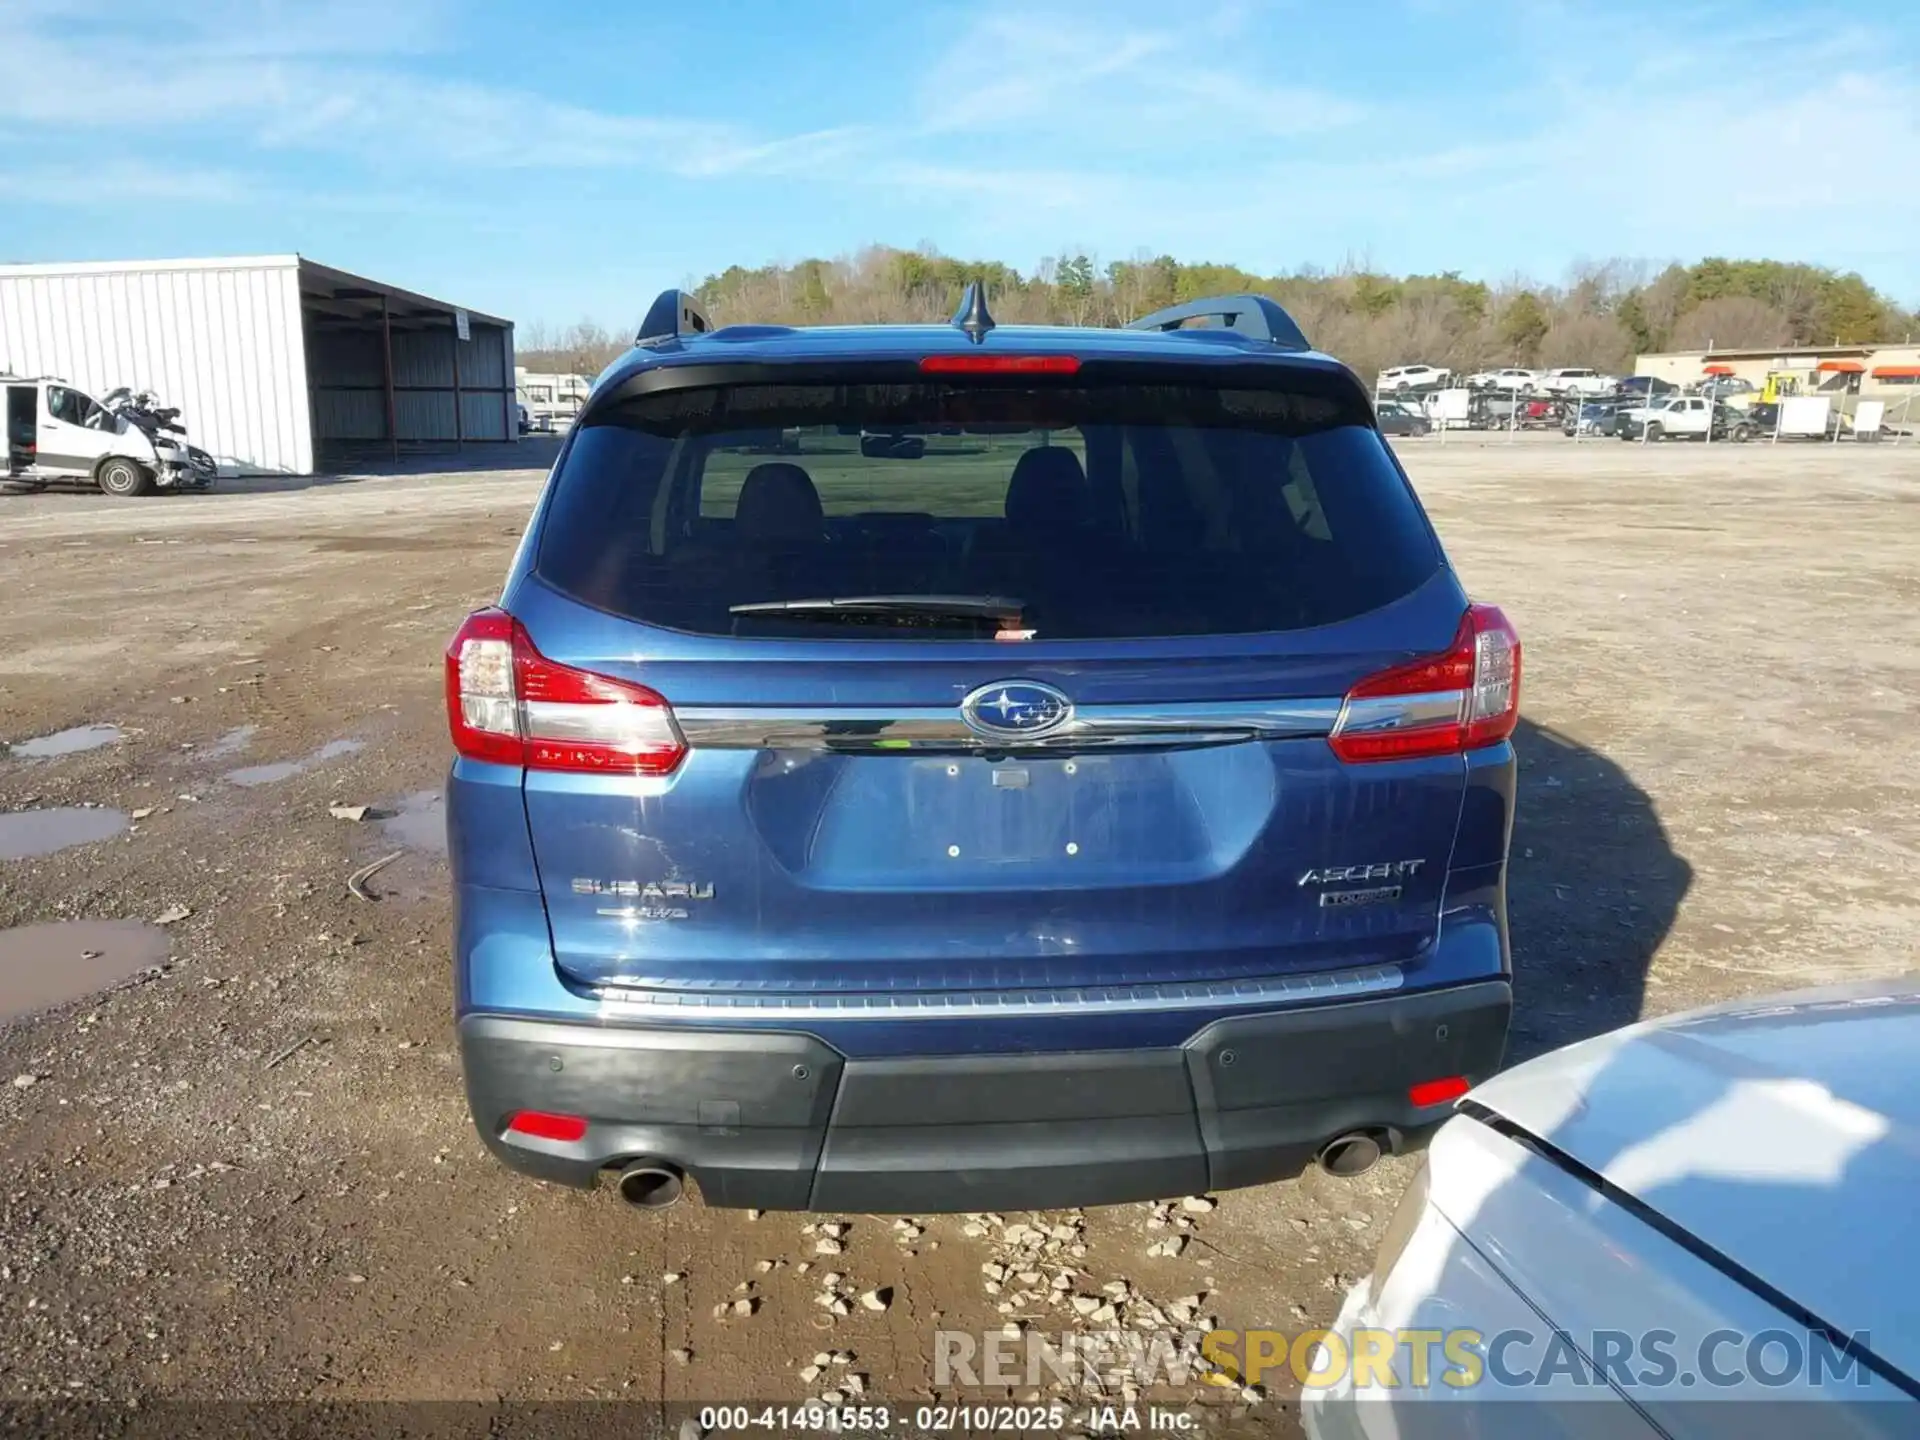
{"type": "Point", "coordinates": [219, 339]}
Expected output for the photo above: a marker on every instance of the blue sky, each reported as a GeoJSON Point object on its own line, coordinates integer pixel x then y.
{"type": "Point", "coordinates": [555, 162]}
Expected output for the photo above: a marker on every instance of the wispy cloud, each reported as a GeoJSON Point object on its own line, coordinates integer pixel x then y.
{"type": "Point", "coordinates": [1484, 135]}
{"type": "Point", "coordinates": [400, 121]}
{"type": "Point", "coordinates": [798, 155]}
{"type": "Point", "coordinates": [121, 183]}
{"type": "Point", "coordinates": [1778, 135]}
{"type": "Point", "coordinates": [335, 78]}
{"type": "Point", "coordinates": [1034, 67]}
{"type": "Point", "coordinates": [324, 79]}
{"type": "Point", "coordinates": [1786, 136]}
{"type": "Point", "coordinates": [1026, 189]}
{"type": "Point", "coordinates": [1068, 74]}
{"type": "Point", "coordinates": [123, 186]}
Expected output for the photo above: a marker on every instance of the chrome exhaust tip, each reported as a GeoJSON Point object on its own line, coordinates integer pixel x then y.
{"type": "Point", "coordinates": [1350, 1154]}
{"type": "Point", "coordinates": [651, 1184]}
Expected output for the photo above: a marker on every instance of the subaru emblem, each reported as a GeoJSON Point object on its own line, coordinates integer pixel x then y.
{"type": "Point", "coordinates": [1016, 708]}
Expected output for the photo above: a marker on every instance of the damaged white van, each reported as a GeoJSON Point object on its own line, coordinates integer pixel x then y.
{"type": "Point", "coordinates": [128, 445]}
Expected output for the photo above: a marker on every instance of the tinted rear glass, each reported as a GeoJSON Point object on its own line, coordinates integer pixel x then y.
{"type": "Point", "coordinates": [1081, 512]}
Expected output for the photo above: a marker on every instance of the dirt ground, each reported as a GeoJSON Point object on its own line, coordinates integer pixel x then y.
{"type": "Point", "coordinates": [249, 1171]}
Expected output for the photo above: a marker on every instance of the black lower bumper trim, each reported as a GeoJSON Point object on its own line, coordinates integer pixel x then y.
{"type": "Point", "coordinates": [783, 1122]}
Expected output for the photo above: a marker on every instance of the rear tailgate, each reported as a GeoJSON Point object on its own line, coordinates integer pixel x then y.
{"type": "Point", "coordinates": [1123, 780]}
{"type": "Point", "coordinates": [781, 856]}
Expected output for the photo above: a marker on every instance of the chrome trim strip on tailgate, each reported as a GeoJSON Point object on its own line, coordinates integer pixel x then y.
{"type": "Point", "coordinates": [1371, 713]}
{"type": "Point", "coordinates": [621, 1002]}
{"type": "Point", "coordinates": [939, 729]}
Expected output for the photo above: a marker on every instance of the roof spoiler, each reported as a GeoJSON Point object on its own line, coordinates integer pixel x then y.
{"type": "Point", "coordinates": [1252, 315]}
{"type": "Point", "coordinates": [673, 316]}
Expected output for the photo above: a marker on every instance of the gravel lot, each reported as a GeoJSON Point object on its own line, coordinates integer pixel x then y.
{"type": "Point", "coordinates": [249, 1172]}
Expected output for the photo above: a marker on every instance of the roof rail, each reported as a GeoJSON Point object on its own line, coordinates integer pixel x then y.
{"type": "Point", "coordinates": [1252, 315]}
{"type": "Point", "coordinates": [674, 315]}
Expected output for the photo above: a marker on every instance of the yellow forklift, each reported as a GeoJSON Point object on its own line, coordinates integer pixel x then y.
{"type": "Point", "coordinates": [1780, 384]}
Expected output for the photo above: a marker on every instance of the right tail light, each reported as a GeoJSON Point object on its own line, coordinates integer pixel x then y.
{"type": "Point", "coordinates": [1445, 704]}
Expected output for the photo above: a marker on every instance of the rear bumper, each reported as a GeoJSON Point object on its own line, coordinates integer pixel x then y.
{"type": "Point", "coordinates": [781, 1121]}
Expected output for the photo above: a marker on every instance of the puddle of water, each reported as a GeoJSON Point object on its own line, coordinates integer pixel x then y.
{"type": "Point", "coordinates": [286, 769]}
{"type": "Point", "coordinates": [233, 742]}
{"type": "Point", "coordinates": [27, 833]}
{"type": "Point", "coordinates": [418, 822]}
{"type": "Point", "coordinates": [46, 965]}
{"type": "Point", "coordinates": [67, 742]}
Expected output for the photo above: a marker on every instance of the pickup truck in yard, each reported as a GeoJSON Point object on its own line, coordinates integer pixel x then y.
{"type": "Point", "coordinates": [1685, 417]}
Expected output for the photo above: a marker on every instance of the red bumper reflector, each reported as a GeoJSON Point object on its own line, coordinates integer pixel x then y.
{"type": "Point", "coordinates": [1438, 1092]}
{"type": "Point", "coordinates": [543, 1126]}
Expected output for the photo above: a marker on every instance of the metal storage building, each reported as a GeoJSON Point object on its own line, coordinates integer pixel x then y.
{"type": "Point", "coordinates": [279, 365]}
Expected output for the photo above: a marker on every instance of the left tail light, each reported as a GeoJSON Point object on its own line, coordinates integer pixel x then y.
{"type": "Point", "coordinates": [510, 705]}
{"type": "Point", "coordinates": [1445, 704]}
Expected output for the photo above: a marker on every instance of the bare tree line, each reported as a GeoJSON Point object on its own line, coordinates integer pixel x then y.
{"type": "Point", "coordinates": [1602, 315]}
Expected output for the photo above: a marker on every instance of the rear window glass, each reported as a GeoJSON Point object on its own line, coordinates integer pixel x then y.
{"type": "Point", "coordinates": [967, 511]}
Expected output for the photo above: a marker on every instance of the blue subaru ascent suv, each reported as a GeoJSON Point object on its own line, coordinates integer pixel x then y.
{"type": "Point", "coordinates": [963, 767]}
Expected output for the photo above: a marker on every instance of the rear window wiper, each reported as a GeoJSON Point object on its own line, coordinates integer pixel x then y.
{"type": "Point", "coordinates": [958, 607]}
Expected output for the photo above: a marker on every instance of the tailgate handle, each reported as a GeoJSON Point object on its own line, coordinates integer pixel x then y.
{"type": "Point", "coordinates": [883, 729]}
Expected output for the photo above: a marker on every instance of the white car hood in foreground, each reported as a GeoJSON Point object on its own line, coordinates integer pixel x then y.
{"type": "Point", "coordinates": [1784, 1134]}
